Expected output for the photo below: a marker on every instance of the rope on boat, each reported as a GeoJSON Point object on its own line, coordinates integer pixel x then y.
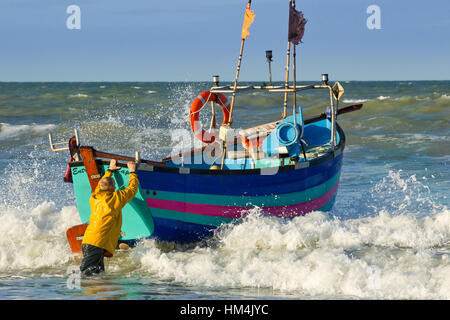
{"type": "Point", "coordinates": [190, 114]}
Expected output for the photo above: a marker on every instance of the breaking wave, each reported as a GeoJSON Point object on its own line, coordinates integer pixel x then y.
{"type": "Point", "coordinates": [386, 256]}
{"type": "Point", "coordinates": [388, 253]}
{"type": "Point", "coordinates": [8, 131]}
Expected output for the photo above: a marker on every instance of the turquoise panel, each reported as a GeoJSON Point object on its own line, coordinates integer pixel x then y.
{"type": "Point", "coordinates": [137, 220]}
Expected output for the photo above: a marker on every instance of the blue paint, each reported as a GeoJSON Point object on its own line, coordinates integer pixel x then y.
{"type": "Point", "coordinates": [288, 133]}
{"type": "Point", "coordinates": [180, 231]}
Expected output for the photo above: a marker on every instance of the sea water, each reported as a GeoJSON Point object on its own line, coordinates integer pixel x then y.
{"type": "Point", "coordinates": [387, 236]}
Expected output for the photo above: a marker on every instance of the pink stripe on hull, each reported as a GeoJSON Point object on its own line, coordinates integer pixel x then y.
{"type": "Point", "coordinates": [302, 208]}
{"type": "Point", "coordinates": [203, 209]}
{"type": "Point", "coordinates": [239, 212]}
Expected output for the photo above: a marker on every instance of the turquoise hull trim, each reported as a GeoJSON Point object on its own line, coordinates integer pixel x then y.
{"type": "Point", "coordinates": [137, 220]}
{"type": "Point", "coordinates": [190, 217]}
{"type": "Point", "coordinates": [329, 205]}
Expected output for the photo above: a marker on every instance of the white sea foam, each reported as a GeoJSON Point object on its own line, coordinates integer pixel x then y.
{"type": "Point", "coordinates": [355, 100]}
{"type": "Point", "coordinates": [151, 91]}
{"type": "Point", "coordinates": [383, 256]}
{"type": "Point", "coordinates": [33, 239]}
{"type": "Point", "coordinates": [382, 98]}
{"type": "Point", "coordinates": [392, 253]}
{"type": "Point", "coordinates": [78, 95]}
{"type": "Point", "coordinates": [386, 256]}
{"type": "Point", "coordinates": [421, 138]}
{"type": "Point", "coordinates": [410, 138]}
{"type": "Point", "coordinates": [11, 131]}
{"type": "Point", "coordinates": [32, 224]}
{"type": "Point", "coordinates": [365, 100]}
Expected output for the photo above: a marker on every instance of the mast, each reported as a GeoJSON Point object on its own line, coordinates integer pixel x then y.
{"type": "Point", "coordinates": [294, 75]}
{"type": "Point", "coordinates": [286, 82]}
{"type": "Point", "coordinates": [294, 84]}
{"type": "Point", "coordinates": [224, 129]}
{"type": "Point", "coordinates": [233, 97]}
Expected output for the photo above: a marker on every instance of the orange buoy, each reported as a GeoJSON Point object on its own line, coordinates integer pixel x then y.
{"type": "Point", "coordinates": [194, 112]}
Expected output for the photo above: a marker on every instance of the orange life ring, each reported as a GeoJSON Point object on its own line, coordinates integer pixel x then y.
{"type": "Point", "coordinates": [198, 104]}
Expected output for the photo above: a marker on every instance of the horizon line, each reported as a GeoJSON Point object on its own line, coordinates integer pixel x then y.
{"type": "Point", "coordinates": [199, 81]}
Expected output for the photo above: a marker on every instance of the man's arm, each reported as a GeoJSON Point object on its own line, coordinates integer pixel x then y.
{"type": "Point", "coordinates": [129, 192]}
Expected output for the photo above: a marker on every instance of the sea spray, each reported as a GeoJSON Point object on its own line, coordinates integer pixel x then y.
{"type": "Point", "coordinates": [32, 240]}
{"type": "Point", "coordinates": [398, 193]}
{"type": "Point", "coordinates": [33, 224]}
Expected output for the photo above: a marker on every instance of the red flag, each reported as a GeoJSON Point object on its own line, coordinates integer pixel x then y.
{"type": "Point", "coordinates": [296, 26]}
{"type": "Point", "coordinates": [248, 20]}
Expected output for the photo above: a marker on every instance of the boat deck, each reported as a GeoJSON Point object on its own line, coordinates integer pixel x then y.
{"type": "Point", "coordinates": [316, 138]}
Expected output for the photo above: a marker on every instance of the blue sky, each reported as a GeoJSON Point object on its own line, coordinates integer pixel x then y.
{"type": "Point", "coordinates": [180, 40]}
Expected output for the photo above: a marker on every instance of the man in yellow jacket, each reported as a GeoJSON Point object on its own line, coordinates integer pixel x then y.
{"type": "Point", "coordinates": [102, 234]}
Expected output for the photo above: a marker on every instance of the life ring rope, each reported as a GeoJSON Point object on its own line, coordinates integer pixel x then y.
{"type": "Point", "coordinates": [203, 104]}
{"type": "Point", "coordinates": [223, 104]}
{"type": "Point", "coordinates": [198, 104]}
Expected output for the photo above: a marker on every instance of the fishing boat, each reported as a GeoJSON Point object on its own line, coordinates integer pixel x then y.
{"type": "Point", "coordinates": [287, 168]}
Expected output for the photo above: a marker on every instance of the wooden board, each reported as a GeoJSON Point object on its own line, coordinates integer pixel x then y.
{"type": "Point", "coordinates": [75, 237]}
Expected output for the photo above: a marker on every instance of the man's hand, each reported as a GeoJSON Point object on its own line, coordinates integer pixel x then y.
{"type": "Point", "coordinates": [113, 165]}
{"type": "Point", "coordinates": [131, 166]}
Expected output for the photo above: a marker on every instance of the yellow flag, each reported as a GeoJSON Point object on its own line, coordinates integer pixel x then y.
{"type": "Point", "coordinates": [248, 20]}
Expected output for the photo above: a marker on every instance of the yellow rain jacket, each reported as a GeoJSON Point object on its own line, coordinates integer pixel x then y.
{"type": "Point", "coordinates": [106, 215]}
